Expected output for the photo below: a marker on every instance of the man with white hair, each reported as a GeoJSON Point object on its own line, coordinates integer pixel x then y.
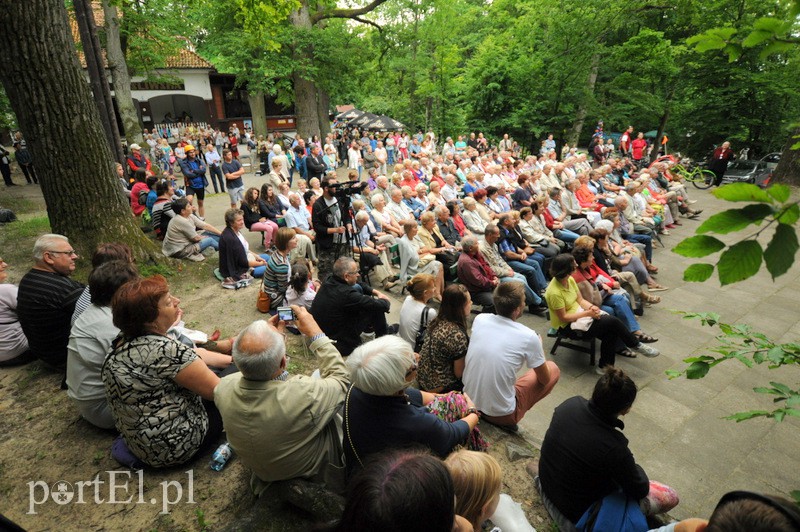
{"type": "Point", "coordinates": [284, 426]}
{"type": "Point", "coordinates": [398, 208]}
{"type": "Point", "coordinates": [450, 189]}
{"type": "Point", "coordinates": [47, 297]}
{"type": "Point", "coordinates": [371, 252]}
{"type": "Point", "coordinates": [298, 218]}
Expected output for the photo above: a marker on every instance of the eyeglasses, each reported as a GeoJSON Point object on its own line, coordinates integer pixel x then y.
{"type": "Point", "coordinates": [354, 273]}
{"type": "Point", "coordinates": [412, 369]}
{"type": "Point", "coordinates": [70, 252]}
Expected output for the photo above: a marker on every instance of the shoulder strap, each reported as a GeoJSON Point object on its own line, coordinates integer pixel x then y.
{"type": "Point", "coordinates": [423, 319]}
{"type": "Point", "coordinates": [347, 424]}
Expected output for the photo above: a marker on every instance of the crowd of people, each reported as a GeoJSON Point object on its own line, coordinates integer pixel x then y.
{"type": "Point", "coordinates": [459, 225]}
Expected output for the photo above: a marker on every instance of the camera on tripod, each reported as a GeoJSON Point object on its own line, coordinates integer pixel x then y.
{"type": "Point", "coordinates": [342, 190]}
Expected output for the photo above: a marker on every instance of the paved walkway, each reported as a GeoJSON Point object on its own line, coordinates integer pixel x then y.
{"type": "Point", "coordinates": [676, 428]}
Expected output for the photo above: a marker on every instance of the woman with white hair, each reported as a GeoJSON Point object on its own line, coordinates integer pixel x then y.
{"type": "Point", "coordinates": [382, 412]}
{"type": "Point", "coordinates": [278, 155]}
{"type": "Point", "coordinates": [471, 216]}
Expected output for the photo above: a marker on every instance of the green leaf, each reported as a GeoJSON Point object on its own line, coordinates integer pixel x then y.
{"type": "Point", "coordinates": [743, 416]}
{"type": "Point", "coordinates": [776, 47]}
{"type": "Point", "coordinates": [698, 273]}
{"type": "Point", "coordinates": [735, 219]}
{"type": "Point", "coordinates": [775, 355]}
{"type": "Point", "coordinates": [698, 246]}
{"type": "Point", "coordinates": [782, 388]}
{"type": "Point", "coordinates": [673, 374]}
{"type": "Point", "coordinates": [742, 192]}
{"type": "Point", "coordinates": [697, 370]}
{"type": "Point", "coordinates": [769, 391]}
{"type": "Point", "coordinates": [739, 262]}
{"type": "Point", "coordinates": [790, 215]}
{"type": "Point", "coordinates": [795, 495]}
{"type": "Point", "coordinates": [771, 25]}
{"type": "Point", "coordinates": [778, 415]}
{"type": "Point", "coordinates": [743, 359]}
{"type": "Point", "coordinates": [780, 192]}
{"type": "Point", "coordinates": [780, 252]}
{"type": "Point", "coordinates": [756, 37]}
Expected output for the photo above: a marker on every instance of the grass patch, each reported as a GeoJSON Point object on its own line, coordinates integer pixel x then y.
{"type": "Point", "coordinates": [26, 227]}
{"type": "Point", "coordinates": [22, 205]}
{"type": "Point", "coordinates": [150, 269]}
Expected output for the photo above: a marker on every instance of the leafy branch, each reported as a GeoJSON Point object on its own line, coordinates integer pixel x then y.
{"type": "Point", "coordinates": [743, 259]}
{"type": "Point", "coordinates": [742, 343]}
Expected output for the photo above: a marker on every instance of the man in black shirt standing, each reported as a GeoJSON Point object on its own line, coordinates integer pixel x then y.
{"type": "Point", "coordinates": [47, 297]}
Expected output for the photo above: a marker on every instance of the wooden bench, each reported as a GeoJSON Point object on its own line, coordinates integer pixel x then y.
{"type": "Point", "coordinates": [567, 337]}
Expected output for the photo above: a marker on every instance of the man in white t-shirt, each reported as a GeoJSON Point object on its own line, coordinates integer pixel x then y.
{"type": "Point", "coordinates": [498, 348]}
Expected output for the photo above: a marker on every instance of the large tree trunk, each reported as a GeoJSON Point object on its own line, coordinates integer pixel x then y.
{"type": "Point", "coordinates": [788, 170]}
{"type": "Point", "coordinates": [120, 77]}
{"type": "Point", "coordinates": [580, 116]}
{"type": "Point", "coordinates": [45, 85]}
{"type": "Point", "coordinates": [324, 112]}
{"type": "Point", "coordinates": [305, 92]}
{"type": "Point", "coordinates": [258, 112]}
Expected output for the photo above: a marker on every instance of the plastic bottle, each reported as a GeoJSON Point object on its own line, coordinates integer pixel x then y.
{"type": "Point", "coordinates": [221, 457]}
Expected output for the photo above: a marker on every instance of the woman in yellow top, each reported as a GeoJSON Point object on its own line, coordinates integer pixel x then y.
{"type": "Point", "coordinates": [567, 306]}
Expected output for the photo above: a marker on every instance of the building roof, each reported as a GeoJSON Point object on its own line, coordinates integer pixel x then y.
{"type": "Point", "coordinates": [184, 59]}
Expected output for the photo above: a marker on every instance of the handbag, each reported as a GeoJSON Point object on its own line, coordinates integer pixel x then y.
{"type": "Point", "coordinates": [263, 303]}
{"type": "Point", "coordinates": [423, 326]}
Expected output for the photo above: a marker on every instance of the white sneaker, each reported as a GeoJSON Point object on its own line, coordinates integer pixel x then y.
{"type": "Point", "coordinates": [646, 350]}
{"type": "Point", "coordinates": [599, 370]}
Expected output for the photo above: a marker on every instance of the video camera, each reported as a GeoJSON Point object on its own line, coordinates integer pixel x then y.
{"type": "Point", "coordinates": [348, 188]}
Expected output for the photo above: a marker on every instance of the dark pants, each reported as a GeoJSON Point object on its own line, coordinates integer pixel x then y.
{"type": "Point", "coordinates": [217, 176]}
{"type": "Point", "coordinates": [484, 299]}
{"type": "Point", "coordinates": [609, 329]}
{"type": "Point", "coordinates": [326, 258]}
{"type": "Point", "coordinates": [5, 169]}
{"type": "Point", "coordinates": [30, 173]}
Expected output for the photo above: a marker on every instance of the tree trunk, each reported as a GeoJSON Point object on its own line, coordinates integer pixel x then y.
{"type": "Point", "coordinates": [49, 95]}
{"type": "Point", "coordinates": [580, 116]}
{"type": "Point", "coordinates": [258, 112]}
{"type": "Point", "coordinates": [305, 91]}
{"type": "Point", "coordinates": [788, 170]}
{"type": "Point", "coordinates": [92, 52]}
{"type": "Point", "coordinates": [120, 77]}
{"type": "Point", "coordinates": [324, 112]}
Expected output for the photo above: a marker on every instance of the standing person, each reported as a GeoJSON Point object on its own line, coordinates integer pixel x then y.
{"type": "Point", "coordinates": [637, 149]}
{"type": "Point", "coordinates": [137, 161]}
{"type": "Point", "coordinates": [25, 159]}
{"type": "Point", "coordinates": [330, 223]}
{"type": "Point", "coordinates": [194, 173]}
{"type": "Point", "coordinates": [625, 142]}
{"type": "Point", "coordinates": [5, 166]}
{"type": "Point", "coordinates": [315, 163]}
{"type": "Point", "coordinates": [213, 160]}
{"type": "Point", "coordinates": [233, 171]}
{"type": "Point", "coordinates": [47, 297]}
{"type": "Point", "coordinates": [719, 161]}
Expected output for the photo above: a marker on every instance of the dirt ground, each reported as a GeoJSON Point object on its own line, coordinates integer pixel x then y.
{"type": "Point", "coordinates": [56, 470]}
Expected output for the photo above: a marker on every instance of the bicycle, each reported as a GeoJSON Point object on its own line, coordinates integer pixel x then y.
{"type": "Point", "coordinates": [701, 178]}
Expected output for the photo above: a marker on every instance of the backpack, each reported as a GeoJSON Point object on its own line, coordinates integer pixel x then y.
{"type": "Point", "coordinates": [143, 196]}
{"type": "Point", "coordinates": [423, 326]}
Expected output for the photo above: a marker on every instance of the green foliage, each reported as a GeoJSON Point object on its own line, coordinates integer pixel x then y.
{"type": "Point", "coordinates": [751, 348]}
{"type": "Point", "coordinates": [8, 119]}
{"type": "Point", "coordinates": [743, 259]}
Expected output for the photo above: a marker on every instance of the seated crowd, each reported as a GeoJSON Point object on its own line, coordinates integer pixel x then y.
{"type": "Point", "coordinates": [464, 228]}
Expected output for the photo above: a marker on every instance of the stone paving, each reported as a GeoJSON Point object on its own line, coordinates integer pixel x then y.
{"type": "Point", "coordinates": [675, 428]}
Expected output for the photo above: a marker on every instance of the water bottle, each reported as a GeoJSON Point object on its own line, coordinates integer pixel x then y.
{"type": "Point", "coordinates": [221, 457]}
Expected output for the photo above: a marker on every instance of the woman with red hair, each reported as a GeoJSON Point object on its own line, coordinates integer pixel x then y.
{"type": "Point", "coordinates": [161, 394]}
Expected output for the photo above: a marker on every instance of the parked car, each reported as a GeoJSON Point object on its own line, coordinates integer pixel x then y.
{"type": "Point", "coordinates": [772, 159]}
{"type": "Point", "coordinates": [755, 172]}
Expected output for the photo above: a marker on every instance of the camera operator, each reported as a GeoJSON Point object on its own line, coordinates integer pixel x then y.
{"type": "Point", "coordinates": [331, 221]}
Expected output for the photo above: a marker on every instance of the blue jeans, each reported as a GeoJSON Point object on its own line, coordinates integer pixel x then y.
{"type": "Point", "coordinates": [532, 272]}
{"type": "Point", "coordinates": [210, 241]}
{"type": "Point", "coordinates": [619, 306]}
{"type": "Point", "coordinates": [566, 235]}
{"type": "Point", "coordinates": [531, 297]}
{"type": "Point", "coordinates": [258, 271]}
